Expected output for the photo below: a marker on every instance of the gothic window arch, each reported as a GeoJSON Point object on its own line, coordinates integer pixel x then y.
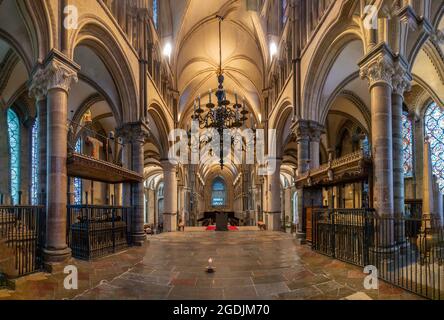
{"type": "Point", "coordinates": [407, 146]}
{"type": "Point", "coordinates": [218, 193]}
{"type": "Point", "coordinates": [434, 129]}
{"type": "Point", "coordinates": [78, 181]}
{"type": "Point", "coordinates": [156, 13]}
{"type": "Point", "coordinates": [14, 152]}
{"type": "Point", "coordinates": [35, 162]}
{"type": "Point", "coordinates": [283, 12]}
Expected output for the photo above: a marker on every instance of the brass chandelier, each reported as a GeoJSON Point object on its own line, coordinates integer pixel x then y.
{"type": "Point", "coordinates": [223, 115]}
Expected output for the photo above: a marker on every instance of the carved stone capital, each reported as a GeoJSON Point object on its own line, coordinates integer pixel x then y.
{"type": "Point", "coordinates": [401, 80]}
{"type": "Point", "coordinates": [316, 130]}
{"type": "Point", "coordinates": [378, 71]}
{"type": "Point", "coordinates": [37, 84]}
{"type": "Point", "coordinates": [59, 76]}
{"type": "Point", "coordinates": [301, 128]}
{"type": "Point", "coordinates": [378, 66]}
{"type": "Point", "coordinates": [57, 72]}
{"type": "Point", "coordinates": [134, 132]}
{"type": "Point", "coordinates": [308, 130]}
{"type": "Point", "coordinates": [169, 165]}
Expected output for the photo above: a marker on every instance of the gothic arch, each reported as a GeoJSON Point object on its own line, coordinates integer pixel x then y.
{"type": "Point", "coordinates": [92, 33]}
{"type": "Point", "coordinates": [163, 126]}
{"type": "Point", "coordinates": [278, 122]}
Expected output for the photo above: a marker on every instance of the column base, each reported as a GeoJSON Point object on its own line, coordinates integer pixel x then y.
{"type": "Point", "coordinates": [170, 222]}
{"type": "Point", "coordinates": [54, 260]}
{"type": "Point", "coordinates": [138, 239]}
{"type": "Point", "coordinates": [274, 221]}
{"type": "Point", "coordinates": [301, 237]}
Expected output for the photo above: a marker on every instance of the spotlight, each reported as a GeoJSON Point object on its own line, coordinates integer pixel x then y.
{"type": "Point", "coordinates": [167, 49]}
{"type": "Point", "coordinates": [273, 49]}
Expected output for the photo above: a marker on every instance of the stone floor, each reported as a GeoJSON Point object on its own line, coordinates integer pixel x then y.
{"type": "Point", "coordinates": [249, 265]}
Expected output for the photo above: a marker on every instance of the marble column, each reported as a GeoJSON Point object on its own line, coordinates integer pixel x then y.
{"type": "Point", "coordinates": [170, 200]}
{"type": "Point", "coordinates": [134, 135]}
{"type": "Point", "coordinates": [274, 209]}
{"type": "Point", "coordinates": [377, 67]}
{"type": "Point", "coordinates": [58, 72]}
{"type": "Point", "coordinates": [401, 82]}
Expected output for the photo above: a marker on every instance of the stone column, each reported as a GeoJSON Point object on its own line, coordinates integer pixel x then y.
{"type": "Point", "coordinates": [316, 130]}
{"type": "Point", "coordinates": [274, 209]}
{"type": "Point", "coordinates": [401, 82]}
{"type": "Point", "coordinates": [37, 90]}
{"type": "Point", "coordinates": [377, 67]}
{"type": "Point", "coordinates": [302, 131]}
{"type": "Point", "coordinates": [134, 135]}
{"type": "Point", "coordinates": [170, 200]}
{"type": "Point", "coordinates": [58, 73]}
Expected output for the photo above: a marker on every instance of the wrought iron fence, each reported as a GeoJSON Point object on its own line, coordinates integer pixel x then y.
{"type": "Point", "coordinates": [407, 252]}
{"type": "Point", "coordinates": [22, 236]}
{"type": "Point", "coordinates": [96, 231]}
{"type": "Point", "coordinates": [343, 233]}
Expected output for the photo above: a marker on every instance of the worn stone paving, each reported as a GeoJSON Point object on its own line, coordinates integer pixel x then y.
{"type": "Point", "coordinates": [249, 265]}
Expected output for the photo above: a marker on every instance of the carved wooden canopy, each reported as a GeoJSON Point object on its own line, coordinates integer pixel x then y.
{"type": "Point", "coordinates": [86, 167]}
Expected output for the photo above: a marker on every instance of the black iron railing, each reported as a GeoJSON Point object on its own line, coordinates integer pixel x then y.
{"type": "Point", "coordinates": [343, 233]}
{"type": "Point", "coordinates": [407, 252]}
{"type": "Point", "coordinates": [96, 231]}
{"type": "Point", "coordinates": [22, 236]}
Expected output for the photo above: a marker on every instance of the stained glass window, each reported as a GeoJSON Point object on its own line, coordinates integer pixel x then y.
{"type": "Point", "coordinates": [407, 147]}
{"type": "Point", "coordinates": [155, 13]}
{"type": "Point", "coordinates": [283, 11]}
{"type": "Point", "coordinates": [78, 181]}
{"type": "Point", "coordinates": [218, 193]}
{"type": "Point", "coordinates": [434, 129]}
{"type": "Point", "coordinates": [35, 163]}
{"type": "Point", "coordinates": [14, 150]}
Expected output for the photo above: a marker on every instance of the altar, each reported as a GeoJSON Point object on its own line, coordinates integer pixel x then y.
{"type": "Point", "coordinates": [221, 221]}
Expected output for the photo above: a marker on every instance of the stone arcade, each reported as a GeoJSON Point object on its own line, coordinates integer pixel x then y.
{"type": "Point", "coordinates": [88, 168]}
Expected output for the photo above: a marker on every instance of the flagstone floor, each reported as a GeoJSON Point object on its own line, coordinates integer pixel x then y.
{"type": "Point", "coordinates": [249, 265]}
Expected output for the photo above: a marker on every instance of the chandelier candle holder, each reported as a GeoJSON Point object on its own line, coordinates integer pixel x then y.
{"type": "Point", "coordinates": [223, 115]}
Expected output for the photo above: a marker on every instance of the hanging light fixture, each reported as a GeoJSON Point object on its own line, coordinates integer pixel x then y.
{"type": "Point", "coordinates": [221, 115]}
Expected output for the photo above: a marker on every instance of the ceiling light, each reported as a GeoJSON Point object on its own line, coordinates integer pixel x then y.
{"type": "Point", "coordinates": [273, 49]}
{"type": "Point", "coordinates": [167, 49]}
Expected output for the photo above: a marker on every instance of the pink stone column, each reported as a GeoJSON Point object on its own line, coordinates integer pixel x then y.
{"type": "Point", "coordinates": [58, 73]}
{"type": "Point", "coordinates": [378, 68]}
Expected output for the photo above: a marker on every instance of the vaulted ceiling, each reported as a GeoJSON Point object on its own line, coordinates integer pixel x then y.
{"type": "Point", "coordinates": [195, 61]}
